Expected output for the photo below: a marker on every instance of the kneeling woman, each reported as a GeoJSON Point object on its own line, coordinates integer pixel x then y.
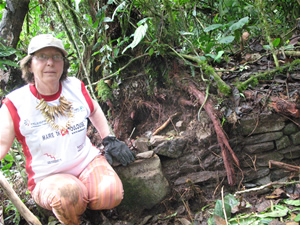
{"type": "Point", "coordinates": [48, 116]}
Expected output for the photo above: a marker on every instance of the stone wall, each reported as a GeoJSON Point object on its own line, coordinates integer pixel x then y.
{"type": "Point", "coordinates": [255, 142]}
{"type": "Point", "coordinates": [194, 157]}
{"type": "Point", "coordinates": [274, 138]}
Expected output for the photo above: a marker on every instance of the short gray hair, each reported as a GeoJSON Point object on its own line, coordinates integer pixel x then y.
{"type": "Point", "coordinates": [29, 77]}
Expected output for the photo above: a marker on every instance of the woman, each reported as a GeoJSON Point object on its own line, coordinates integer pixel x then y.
{"type": "Point", "coordinates": [48, 116]}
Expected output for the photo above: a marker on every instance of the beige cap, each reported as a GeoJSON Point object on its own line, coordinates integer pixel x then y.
{"type": "Point", "coordinates": [43, 41]}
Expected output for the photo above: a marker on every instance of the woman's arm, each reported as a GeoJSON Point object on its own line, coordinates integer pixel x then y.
{"type": "Point", "coordinates": [99, 121]}
{"type": "Point", "coordinates": [7, 132]}
{"type": "Point", "coordinates": [113, 147]}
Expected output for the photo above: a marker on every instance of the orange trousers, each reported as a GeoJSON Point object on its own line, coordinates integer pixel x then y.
{"type": "Point", "coordinates": [97, 187]}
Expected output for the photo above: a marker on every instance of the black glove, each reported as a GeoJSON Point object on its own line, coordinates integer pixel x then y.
{"type": "Point", "coordinates": [117, 149]}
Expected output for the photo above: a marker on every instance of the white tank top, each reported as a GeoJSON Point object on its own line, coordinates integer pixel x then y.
{"type": "Point", "coordinates": [49, 151]}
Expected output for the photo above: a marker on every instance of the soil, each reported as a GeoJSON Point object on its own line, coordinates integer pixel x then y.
{"type": "Point", "coordinates": [146, 99]}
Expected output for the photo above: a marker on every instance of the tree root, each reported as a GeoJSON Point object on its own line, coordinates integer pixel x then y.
{"type": "Point", "coordinates": [284, 166]}
{"type": "Point", "coordinates": [165, 124]}
{"type": "Point", "coordinates": [227, 153]}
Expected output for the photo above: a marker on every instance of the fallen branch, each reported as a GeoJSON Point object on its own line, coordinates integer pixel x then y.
{"type": "Point", "coordinates": [258, 76]}
{"type": "Point", "coordinates": [227, 152]}
{"type": "Point", "coordinates": [292, 53]}
{"type": "Point", "coordinates": [165, 124]}
{"type": "Point", "coordinates": [280, 105]}
{"type": "Point", "coordinates": [209, 70]}
{"type": "Point", "coordinates": [265, 186]}
{"type": "Point", "coordinates": [284, 166]}
{"type": "Point", "coordinates": [21, 207]}
{"type": "Point", "coordinates": [285, 107]}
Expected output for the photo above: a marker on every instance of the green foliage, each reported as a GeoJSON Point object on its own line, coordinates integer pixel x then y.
{"type": "Point", "coordinates": [10, 166]}
{"type": "Point", "coordinates": [6, 51]}
{"type": "Point", "coordinates": [13, 213]}
{"type": "Point", "coordinates": [104, 92]}
{"type": "Point", "coordinates": [99, 37]}
{"type": "Point", "coordinates": [281, 210]}
{"type": "Point", "coordinates": [138, 35]}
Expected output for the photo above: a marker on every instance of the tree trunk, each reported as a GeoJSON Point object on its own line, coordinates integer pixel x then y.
{"type": "Point", "coordinates": [12, 21]}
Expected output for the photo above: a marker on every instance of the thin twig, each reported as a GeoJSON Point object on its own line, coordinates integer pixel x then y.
{"type": "Point", "coordinates": [120, 69]}
{"type": "Point", "coordinates": [164, 124]}
{"type": "Point", "coordinates": [265, 186]}
{"type": "Point", "coordinates": [223, 205]}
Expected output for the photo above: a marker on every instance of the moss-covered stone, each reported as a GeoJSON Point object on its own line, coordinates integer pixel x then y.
{"type": "Point", "coordinates": [290, 128]}
{"type": "Point", "coordinates": [296, 138]}
{"type": "Point", "coordinates": [144, 184]}
{"type": "Point", "coordinates": [283, 142]}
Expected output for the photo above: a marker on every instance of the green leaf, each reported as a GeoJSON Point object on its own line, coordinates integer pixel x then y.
{"type": "Point", "coordinates": [242, 221]}
{"type": "Point", "coordinates": [194, 13]}
{"type": "Point", "coordinates": [226, 40]}
{"type": "Point", "coordinates": [77, 2]}
{"type": "Point", "coordinates": [151, 51]}
{"type": "Point", "coordinates": [141, 22]}
{"type": "Point", "coordinates": [219, 209]}
{"type": "Point", "coordinates": [139, 34]}
{"type": "Point", "coordinates": [88, 18]}
{"type": "Point", "coordinates": [95, 25]}
{"type": "Point", "coordinates": [276, 213]}
{"type": "Point", "coordinates": [6, 51]}
{"type": "Point", "coordinates": [107, 19]}
{"type": "Point", "coordinates": [292, 202]}
{"type": "Point", "coordinates": [230, 199]}
{"type": "Point", "coordinates": [276, 42]}
{"type": "Point", "coordinates": [213, 27]}
{"type": "Point", "coordinates": [7, 166]}
{"type": "Point", "coordinates": [297, 218]}
{"type": "Point", "coordinates": [186, 33]}
{"type": "Point", "coordinates": [9, 158]}
{"type": "Point", "coordinates": [220, 53]}
{"type": "Point", "coordinates": [119, 8]}
{"type": "Point", "coordinates": [239, 24]}
{"type": "Point", "coordinates": [9, 62]}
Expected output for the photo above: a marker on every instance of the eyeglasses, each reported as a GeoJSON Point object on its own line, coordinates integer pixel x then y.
{"type": "Point", "coordinates": [44, 58]}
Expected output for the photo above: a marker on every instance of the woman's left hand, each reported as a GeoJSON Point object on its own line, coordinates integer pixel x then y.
{"type": "Point", "coordinates": [117, 149]}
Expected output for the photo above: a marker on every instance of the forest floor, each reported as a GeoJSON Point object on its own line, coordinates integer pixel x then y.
{"type": "Point", "coordinates": [139, 111]}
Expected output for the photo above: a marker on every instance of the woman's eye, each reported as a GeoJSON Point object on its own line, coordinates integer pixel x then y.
{"type": "Point", "coordinates": [42, 56]}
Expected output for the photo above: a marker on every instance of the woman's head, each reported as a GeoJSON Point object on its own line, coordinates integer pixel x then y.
{"type": "Point", "coordinates": [39, 49]}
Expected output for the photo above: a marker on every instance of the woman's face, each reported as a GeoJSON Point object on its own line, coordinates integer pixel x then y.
{"type": "Point", "coordinates": [47, 65]}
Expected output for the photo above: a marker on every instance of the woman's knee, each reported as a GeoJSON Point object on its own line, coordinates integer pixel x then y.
{"type": "Point", "coordinates": [107, 195]}
{"type": "Point", "coordinates": [61, 191]}
{"type": "Point", "coordinates": [69, 194]}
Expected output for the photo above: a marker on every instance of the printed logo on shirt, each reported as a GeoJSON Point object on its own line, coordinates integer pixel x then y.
{"type": "Point", "coordinates": [80, 147]}
{"type": "Point", "coordinates": [53, 159]}
{"type": "Point", "coordinates": [77, 128]}
{"type": "Point", "coordinates": [78, 109]}
{"type": "Point", "coordinates": [27, 122]}
{"type": "Point", "coordinates": [34, 124]}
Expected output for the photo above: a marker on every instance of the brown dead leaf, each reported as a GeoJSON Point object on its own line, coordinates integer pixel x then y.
{"type": "Point", "coordinates": [263, 206]}
{"type": "Point", "coordinates": [277, 193]}
{"type": "Point", "coordinates": [219, 220]}
{"type": "Point", "coordinates": [292, 223]}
